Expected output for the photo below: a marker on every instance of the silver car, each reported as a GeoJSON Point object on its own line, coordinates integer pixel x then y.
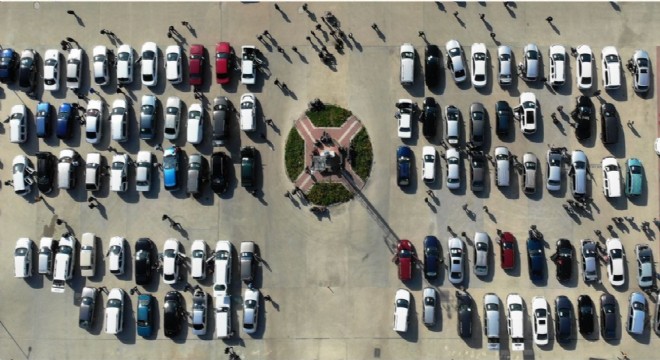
{"type": "Point", "coordinates": [196, 173]}
{"type": "Point", "coordinates": [640, 69]}
{"type": "Point", "coordinates": [644, 257]}
{"type": "Point", "coordinates": [87, 307]}
{"type": "Point", "coordinates": [481, 246]}
{"type": "Point", "coordinates": [530, 163]}
{"type": "Point", "coordinates": [452, 115]}
{"type": "Point", "coordinates": [148, 117]}
{"type": "Point", "coordinates": [589, 260]}
{"type": "Point", "coordinates": [453, 169]}
{"type": "Point", "coordinates": [578, 174]}
{"type": "Point", "coordinates": [531, 63]}
{"type": "Point", "coordinates": [554, 170]}
{"type": "Point", "coordinates": [504, 59]}
{"type": "Point", "coordinates": [455, 253]}
{"type": "Point", "coordinates": [430, 302]}
{"type": "Point", "coordinates": [220, 120]}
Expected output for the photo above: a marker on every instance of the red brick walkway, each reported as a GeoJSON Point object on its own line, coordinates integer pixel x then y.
{"type": "Point", "coordinates": [342, 136]}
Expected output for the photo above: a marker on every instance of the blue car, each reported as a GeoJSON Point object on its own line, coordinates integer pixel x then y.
{"type": "Point", "coordinates": [403, 164]}
{"type": "Point", "coordinates": [171, 161]}
{"type": "Point", "coordinates": [43, 120]}
{"type": "Point", "coordinates": [145, 315]}
{"type": "Point", "coordinates": [431, 256]}
{"type": "Point", "coordinates": [64, 121]}
{"type": "Point", "coordinates": [8, 64]}
{"type": "Point", "coordinates": [535, 259]}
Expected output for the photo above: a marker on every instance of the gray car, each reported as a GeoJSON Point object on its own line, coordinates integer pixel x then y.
{"type": "Point", "coordinates": [477, 123]}
{"type": "Point", "coordinates": [589, 261]}
{"type": "Point", "coordinates": [196, 173]}
{"type": "Point", "coordinates": [148, 117]}
{"type": "Point", "coordinates": [477, 172]}
{"type": "Point", "coordinates": [481, 248]}
{"type": "Point", "coordinates": [640, 69]}
{"type": "Point", "coordinates": [220, 120]}
{"type": "Point", "coordinates": [530, 164]}
{"type": "Point", "coordinates": [430, 303]}
{"type": "Point", "coordinates": [452, 115]}
{"type": "Point", "coordinates": [87, 306]}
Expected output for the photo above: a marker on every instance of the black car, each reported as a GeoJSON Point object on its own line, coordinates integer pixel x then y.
{"type": "Point", "coordinates": [431, 257]}
{"type": "Point", "coordinates": [563, 258]}
{"type": "Point", "coordinates": [45, 171]}
{"type": "Point", "coordinates": [173, 312]}
{"type": "Point", "coordinates": [609, 124]}
{"type": "Point", "coordinates": [220, 165]}
{"type": "Point", "coordinates": [221, 112]}
{"type": "Point", "coordinates": [403, 164]}
{"type": "Point", "coordinates": [248, 166]}
{"type": "Point", "coordinates": [429, 117]}
{"type": "Point", "coordinates": [465, 311]}
{"type": "Point", "coordinates": [27, 71]}
{"type": "Point", "coordinates": [432, 65]}
{"type": "Point", "coordinates": [608, 316]}
{"type": "Point", "coordinates": [144, 250]}
{"type": "Point", "coordinates": [585, 314]}
{"type": "Point", "coordinates": [584, 110]}
{"type": "Point", "coordinates": [563, 320]}
{"type": "Point", "coordinates": [535, 258]}
{"type": "Point", "coordinates": [8, 65]}
{"type": "Point", "coordinates": [504, 118]}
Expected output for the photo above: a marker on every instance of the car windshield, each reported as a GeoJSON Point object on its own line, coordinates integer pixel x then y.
{"type": "Point", "coordinates": [403, 303]}
{"type": "Point", "coordinates": [588, 252]}
{"type": "Point", "coordinates": [580, 165]}
{"type": "Point", "coordinates": [123, 56]}
{"type": "Point", "coordinates": [117, 165]}
{"type": "Point", "coordinates": [195, 165]}
{"type": "Point", "coordinates": [529, 105]}
{"type": "Point", "coordinates": [98, 58]}
{"type": "Point", "coordinates": [616, 254]}
{"type": "Point", "coordinates": [477, 115]}
{"type": "Point", "coordinates": [586, 80]}
{"type": "Point", "coordinates": [172, 110]}
{"type": "Point", "coordinates": [455, 252]}
{"type": "Point", "coordinates": [115, 249]}
{"type": "Point", "coordinates": [558, 57]}
{"type": "Point", "coordinates": [586, 310]}
{"type": "Point", "coordinates": [172, 57]}
{"type": "Point", "coordinates": [555, 161]}
{"type": "Point", "coordinates": [221, 255]}
{"type": "Point", "coordinates": [480, 56]}
{"type": "Point", "coordinates": [562, 312]}
{"type": "Point", "coordinates": [452, 115]}
{"type": "Point", "coordinates": [492, 307]}
{"type": "Point", "coordinates": [114, 303]}
{"type": "Point", "coordinates": [148, 55]}
{"type": "Point", "coordinates": [540, 313]}
{"type": "Point", "coordinates": [452, 161]}
{"type": "Point", "coordinates": [429, 158]}
{"type": "Point", "coordinates": [532, 55]}
{"type": "Point", "coordinates": [198, 254]}
{"type": "Point", "coordinates": [507, 245]}
{"type": "Point", "coordinates": [612, 58]}
{"type": "Point", "coordinates": [118, 111]}
{"type": "Point", "coordinates": [20, 252]}
{"type": "Point", "coordinates": [403, 253]}
{"type": "Point", "coordinates": [194, 115]}
{"type": "Point", "coordinates": [515, 307]}
{"type": "Point", "coordinates": [147, 109]}
{"type": "Point", "coordinates": [482, 246]}
{"type": "Point", "coordinates": [50, 62]}
{"type": "Point", "coordinates": [455, 52]}
{"type": "Point", "coordinates": [638, 305]}
{"type": "Point", "coordinates": [65, 249]}
{"type": "Point", "coordinates": [636, 169]}
{"type": "Point", "coordinates": [530, 165]}
{"type": "Point", "coordinates": [502, 157]}
{"type": "Point", "coordinates": [431, 251]}
{"type": "Point", "coordinates": [247, 105]}
{"type": "Point", "coordinates": [169, 162]}
{"type": "Point", "coordinates": [18, 168]}
{"type": "Point", "coordinates": [429, 301]}
{"type": "Point", "coordinates": [608, 309]}
{"type": "Point", "coordinates": [407, 55]}
{"type": "Point", "coordinates": [86, 300]}
{"type": "Point", "coordinates": [169, 253]}
{"type": "Point", "coordinates": [585, 57]}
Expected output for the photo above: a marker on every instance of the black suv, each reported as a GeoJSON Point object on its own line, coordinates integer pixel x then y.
{"type": "Point", "coordinates": [584, 110]}
{"type": "Point", "coordinates": [220, 165]}
{"type": "Point", "coordinates": [173, 313]}
{"type": "Point", "coordinates": [429, 117]}
{"type": "Point", "coordinates": [144, 250]}
{"type": "Point", "coordinates": [432, 65]}
{"type": "Point", "coordinates": [585, 314]}
{"type": "Point", "coordinates": [45, 171]}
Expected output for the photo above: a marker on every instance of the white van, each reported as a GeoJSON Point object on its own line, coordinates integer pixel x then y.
{"type": "Point", "coordinates": [114, 312]}
{"type": "Point", "coordinates": [611, 177]}
{"type": "Point", "coordinates": [223, 317]}
{"type": "Point", "coordinates": [64, 263]}
{"type": "Point", "coordinates": [88, 254]}
{"type": "Point", "coordinates": [66, 167]}
{"type": "Point", "coordinates": [502, 174]}
{"type": "Point", "coordinates": [515, 322]}
{"type": "Point", "coordinates": [46, 255]}
{"type": "Point", "coordinates": [407, 54]}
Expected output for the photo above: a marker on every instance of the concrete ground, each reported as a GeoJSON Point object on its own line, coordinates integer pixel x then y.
{"type": "Point", "coordinates": [331, 278]}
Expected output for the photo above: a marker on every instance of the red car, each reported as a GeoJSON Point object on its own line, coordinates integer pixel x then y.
{"type": "Point", "coordinates": [507, 247]}
{"type": "Point", "coordinates": [196, 64]}
{"type": "Point", "coordinates": [405, 256]}
{"type": "Point", "coordinates": [222, 62]}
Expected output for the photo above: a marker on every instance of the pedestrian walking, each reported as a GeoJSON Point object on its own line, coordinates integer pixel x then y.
{"type": "Point", "coordinates": [465, 207]}
{"type": "Point", "coordinates": [560, 109]}
{"type": "Point", "coordinates": [280, 50]}
{"type": "Point", "coordinates": [260, 38]}
{"type": "Point", "coordinates": [266, 33]}
{"type": "Point", "coordinates": [277, 7]}
{"type": "Point", "coordinates": [430, 192]}
{"type": "Point", "coordinates": [38, 198]}
{"type": "Point", "coordinates": [549, 19]}
{"type": "Point", "coordinates": [449, 228]}
{"type": "Point", "coordinates": [313, 33]}
{"type": "Point", "coordinates": [485, 208]}
{"type": "Point", "coordinates": [482, 16]}
{"type": "Point", "coordinates": [71, 12]}
{"type": "Point", "coordinates": [597, 93]}
{"type": "Point", "coordinates": [426, 200]}
{"type": "Point", "coordinates": [287, 194]}
{"type": "Point", "coordinates": [295, 49]}
{"type": "Point", "coordinates": [421, 34]}
{"type": "Point", "coordinates": [350, 36]}
{"type": "Point", "coordinates": [598, 232]}
{"type": "Point", "coordinates": [184, 23]}
{"type": "Point", "coordinates": [284, 87]}
{"type": "Point", "coordinates": [374, 26]}
{"type": "Point", "coordinates": [169, 35]}
{"type": "Point", "coordinates": [318, 27]}
{"type": "Point", "coordinates": [70, 39]}
{"type": "Point", "coordinates": [119, 91]}
{"type": "Point", "coordinates": [463, 234]}
{"type": "Point", "coordinates": [456, 13]}
{"type": "Point", "coordinates": [332, 33]}
{"type": "Point", "coordinates": [263, 136]}
{"type": "Point", "coordinates": [324, 49]}
{"type": "Point", "coordinates": [267, 298]}
{"type": "Point", "coordinates": [492, 35]}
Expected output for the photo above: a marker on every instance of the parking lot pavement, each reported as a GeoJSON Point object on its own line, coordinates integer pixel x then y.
{"type": "Point", "coordinates": [331, 279]}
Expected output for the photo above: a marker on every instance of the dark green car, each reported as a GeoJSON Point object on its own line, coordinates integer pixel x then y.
{"type": "Point", "coordinates": [248, 166]}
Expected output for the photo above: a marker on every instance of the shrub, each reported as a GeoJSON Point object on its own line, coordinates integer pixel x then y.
{"type": "Point", "coordinates": [294, 154]}
{"type": "Point", "coordinates": [362, 154]}
{"type": "Point", "coordinates": [331, 116]}
{"type": "Point", "coordinates": [325, 194]}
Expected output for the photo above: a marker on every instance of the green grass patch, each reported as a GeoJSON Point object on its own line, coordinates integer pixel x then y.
{"type": "Point", "coordinates": [325, 194]}
{"type": "Point", "coordinates": [362, 154]}
{"type": "Point", "coordinates": [331, 116]}
{"type": "Point", "coordinates": [294, 154]}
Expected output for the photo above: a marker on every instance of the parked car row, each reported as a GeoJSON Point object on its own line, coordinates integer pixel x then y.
{"type": "Point", "coordinates": [58, 258]}
{"type": "Point", "coordinates": [591, 254]}
{"type": "Point", "coordinates": [62, 170]}
{"type": "Point", "coordinates": [529, 68]}
{"type": "Point", "coordinates": [24, 67]}
{"type": "Point", "coordinates": [564, 316]}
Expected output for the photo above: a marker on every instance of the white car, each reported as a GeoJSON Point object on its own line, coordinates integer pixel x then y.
{"type": "Point", "coordinates": [641, 71]}
{"type": "Point", "coordinates": [223, 317]}
{"type": "Point", "coordinates": [22, 175]}
{"type": "Point", "coordinates": [88, 255]}
{"type": "Point", "coordinates": [250, 310]}
{"type": "Point", "coordinates": [150, 64]}
{"type": "Point", "coordinates": [66, 169]}
{"type": "Point", "coordinates": [453, 168]}
{"type": "Point", "coordinates": [23, 258]}
{"type": "Point", "coordinates": [407, 57]}
{"type": "Point", "coordinates": [93, 171]}
{"type": "Point", "coordinates": [195, 123]}
{"type": "Point", "coordinates": [455, 60]}
{"type": "Point", "coordinates": [506, 66]}
{"type": "Point", "coordinates": [452, 117]}
{"type": "Point", "coordinates": [198, 260]}
{"type": "Point", "coordinates": [94, 121]}
{"type": "Point", "coordinates": [553, 161]}
{"type": "Point", "coordinates": [404, 118]}
{"type": "Point", "coordinates": [455, 251]}
{"type": "Point", "coordinates": [616, 265]}
{"type": "Point", "coordinates": [557, 56]}
{"type": "Point", "coordinates": [528, 112]}
{"type": "Point", "coordinates": [52, 70]}
{"type": "Point", "coordinates": [248, 66]}
{"type": "Point", "coordinates": [222, 268]}
{"type": "Point", "coordinates": [611, 177]}
{"type": "Point", "coordinates": [199, 312]}
{"type": "Point", "coordinates": [540, 322]}
{"type": "Point", "coordinates": [143, 171]}
{"type": "Point", "coordinates": [401, 310]}
{"type": "Point", "coordinates": [171, 260]}
{"type": "Point", "coordinates": [515, 323]}
{"type": "Point", "coordinates": [531, 62]}
{"type": "Point", "coordinates": [125, 64]}
{"type": "Point", "coordinates": [430, 302]}
{"type": "Point", "coordinates": [119, 121]}
{"type": "Point", "coordinates": [114, 312]}
{"type": "Point", "coordinates": [18, 124]}
{"type": "Point", "coordinates": [248, 113]}
{"type": "Point", "coordinates": [116, 255]}
{"type": "Point", "coordinates": [100, 65]}
{"type": "Point", "coordinates": [46, 256]}
{"type": "Point", "coordinates": [74, 69]}
{"type": "Point", "coordinates": [172, 118]}
{"type": "Point", "coordinates": [584, 73]}
{"type": "Point", "coordinates": [656, 146]}
{"type": "Point", "coordinates": [428, 164]}
{"type": "Point", "coordinates": [65, 262]}
{"type": "Point", "coordinates": [479, 68]}
{"type": "Point", "coordinates": [119, 173]}
{"type": "Point", "coordinates": [611, 68]}
{"type": "Point", "coordinates": [173, 64]}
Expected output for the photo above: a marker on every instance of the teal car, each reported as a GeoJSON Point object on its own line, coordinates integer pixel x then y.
{"type": "Point", "coordinates": [145, 315]}
{"type": "Point", "coordinates": [634, 177]}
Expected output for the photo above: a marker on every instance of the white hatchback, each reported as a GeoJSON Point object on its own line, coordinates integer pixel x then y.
{"type": "Point", "coordinates": [479, 68]}
{"type": "Point", "coordinates": [615, 265]}
{"type": "Point", "coordinates": [94, 121]}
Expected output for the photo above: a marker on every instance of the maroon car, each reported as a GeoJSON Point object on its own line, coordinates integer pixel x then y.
{"type": "Point", "coordinates": [507, 247]}
{"type": "Point", "coordinates": [405, 257]}
{"type": "Point", "coordinates": [196, 64]}
{"type": "Point", "coordinates": [222, 62]}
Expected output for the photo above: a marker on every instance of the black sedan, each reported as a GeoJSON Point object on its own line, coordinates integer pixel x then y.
{"type": "Point", "coordinates": [563, 319]}
{"type": "Point", "coordinates": [220, 165]}
{"type": "Point", "coordinates": [563, 258]}
{"type": "Point", "coordinates": [45, 171]}
{"type": "Point", "coordinates": [431, 257]}
{"type": "Point", "coordinates": [504, 118]}
{"type": "Point", "coordinates": [535, 259]}
{"type": "Point", "coordinates": [583, 113]}
{"type": "Point", "coordinates": [432, 65]}
{"type": "Point", "coordinates": [173, 313]}
{"type": "Point", "coordinates": [429, 117]}
{"type": "Point", "coordinates": [144, 256]}
{"type": "Point", "coordinates": [585, 314]}
{"type": "Point", "coordinates": [608, 317]}
{"type": "Point", "coordinates": [465, 311]}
